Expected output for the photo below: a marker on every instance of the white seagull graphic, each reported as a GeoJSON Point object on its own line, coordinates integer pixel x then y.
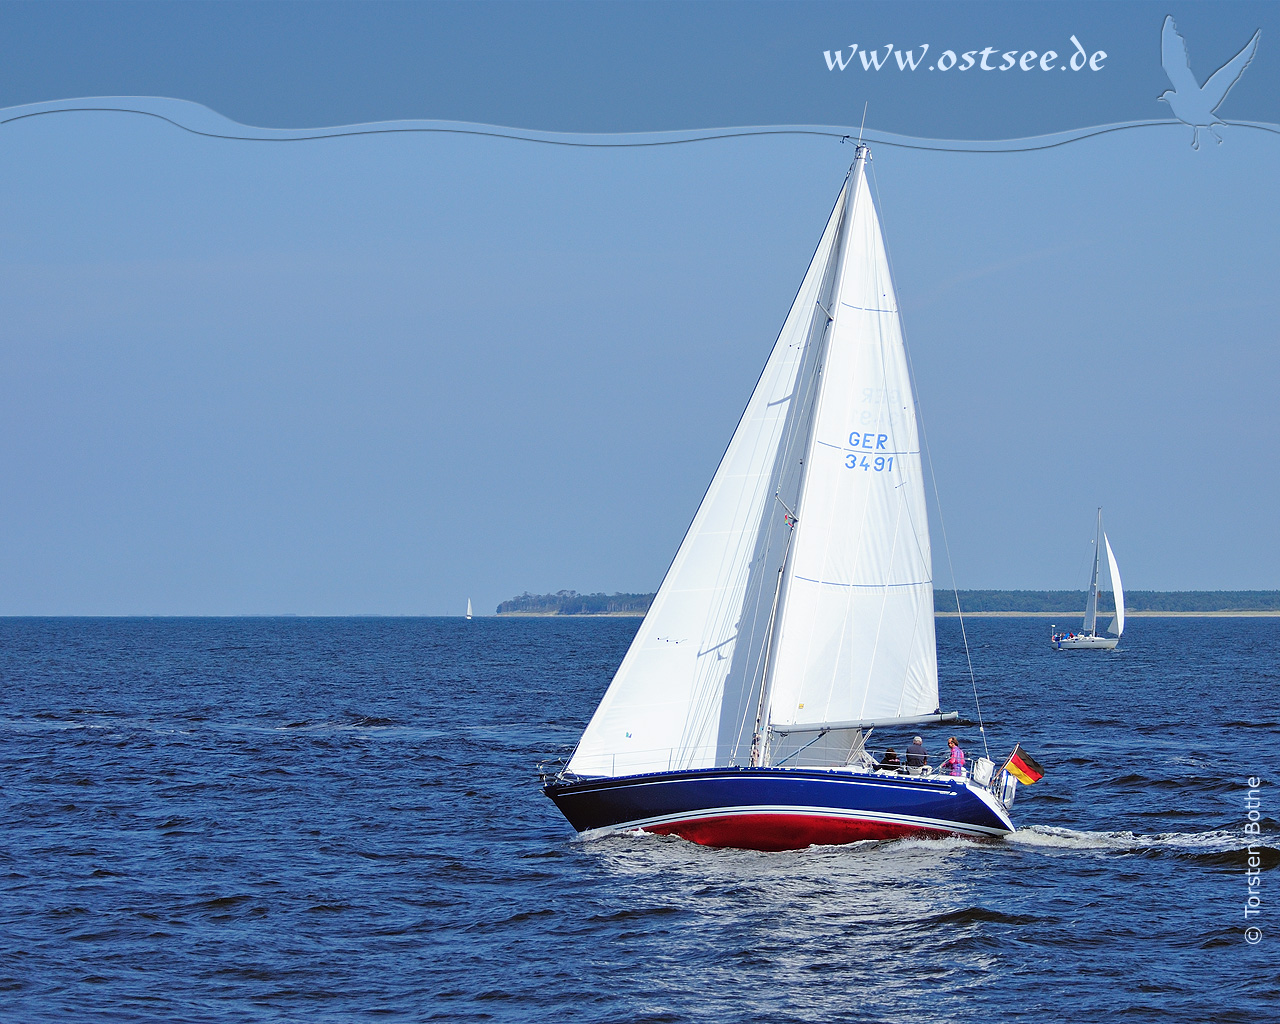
{"type": "Point", "coordinates": [1192, 103]}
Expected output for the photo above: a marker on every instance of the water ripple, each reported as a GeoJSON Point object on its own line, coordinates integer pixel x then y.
{"type": "Point", "coordinates": [328, 820]}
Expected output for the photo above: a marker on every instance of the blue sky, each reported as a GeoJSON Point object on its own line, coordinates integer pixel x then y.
{"type": "Point", "coordinates": [604, 67]}
{"type": "Point", "coordinates": [386, 373]}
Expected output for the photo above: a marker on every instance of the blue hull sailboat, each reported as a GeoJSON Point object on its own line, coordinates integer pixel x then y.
{"type": "Point", "coordinates": [798, 612]}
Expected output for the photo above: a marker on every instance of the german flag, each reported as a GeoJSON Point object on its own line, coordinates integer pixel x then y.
{"type": "Point", "coordinates": [1023, 766]}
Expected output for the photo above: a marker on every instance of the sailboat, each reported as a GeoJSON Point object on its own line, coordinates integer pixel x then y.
{"type": "Point", "coordinates": [468, 608]}
{"type": "Point", "coordinates": [1087, 639]}
{"type": "Point", "coordinates": [797, 614]}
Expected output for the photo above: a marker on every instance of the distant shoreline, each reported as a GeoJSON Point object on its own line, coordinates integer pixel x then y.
{"type": "Point", "coordinates": [1067, 617]}
{"type": "Point", "coordinates": [569, 615]}
{"type": "Point", "coordinates": [1064, 604]}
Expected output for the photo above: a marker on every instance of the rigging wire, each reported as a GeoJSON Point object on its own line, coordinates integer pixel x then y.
{"type": "Point", "coordinates": [937, 498]}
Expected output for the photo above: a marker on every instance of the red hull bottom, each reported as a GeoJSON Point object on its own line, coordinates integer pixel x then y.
{"type": "Point", "coordinates": [774, 832]}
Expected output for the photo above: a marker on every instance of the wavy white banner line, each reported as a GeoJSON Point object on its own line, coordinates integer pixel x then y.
{"type": "Point", "coordinates": [201, 120]}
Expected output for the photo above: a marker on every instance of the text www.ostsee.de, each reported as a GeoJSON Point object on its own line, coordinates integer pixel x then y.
{"type": "Point", "coordinates": [989, 58]}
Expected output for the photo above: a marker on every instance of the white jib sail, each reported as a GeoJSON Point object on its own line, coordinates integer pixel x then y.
{"type": "Point", "coordinates": [1117, 588]}
{"type": "Point", "coordinates": [663, 708]}
{"type": "Point", "coordinates": [855, 639]}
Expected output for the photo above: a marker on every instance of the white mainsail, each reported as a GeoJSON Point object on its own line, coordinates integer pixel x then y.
{"type": "Point", "coordinates": [831, 619]}
{"type": "Point", "coordinates": [468, 607]}
{"type": "Point", "coordinates": [1091, 603]}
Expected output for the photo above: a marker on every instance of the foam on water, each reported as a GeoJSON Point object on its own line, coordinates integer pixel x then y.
{"type": "Point", "coordinates": [1216, 841]}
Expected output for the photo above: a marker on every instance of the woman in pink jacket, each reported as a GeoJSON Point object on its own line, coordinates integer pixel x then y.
{"type": "Point", "coordinates": [956, 760]}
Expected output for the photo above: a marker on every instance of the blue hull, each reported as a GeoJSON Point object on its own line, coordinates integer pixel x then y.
{"type": "Point", "coordinates": [780, 808]}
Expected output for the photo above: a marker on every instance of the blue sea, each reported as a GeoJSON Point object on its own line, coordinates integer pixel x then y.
{"type": "Point", "coordinates": [232, 820]}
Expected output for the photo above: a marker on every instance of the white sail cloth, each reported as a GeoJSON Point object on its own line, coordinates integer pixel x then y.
{"type": "Point", "coordinates": [846, 633]}
{"type": "Point", "coordinates": [1117, 588]}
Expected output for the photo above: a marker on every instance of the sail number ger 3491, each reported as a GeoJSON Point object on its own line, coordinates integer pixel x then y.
{"type": "Point", "coordinates": [868, 442]}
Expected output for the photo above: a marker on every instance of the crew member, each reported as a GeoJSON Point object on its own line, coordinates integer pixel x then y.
{"type": "Point", "coordinates": [917, 758]}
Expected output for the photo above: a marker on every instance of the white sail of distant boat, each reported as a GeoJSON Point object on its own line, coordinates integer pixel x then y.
{"type": "Point", "coordinates": [797, 613]}
{"type": "Point", "coordinates": [1117, 588]}
{"type": "Point", "coordinates": [1106, 576]}
{"type": "Point", "coordinates": [468, 607]}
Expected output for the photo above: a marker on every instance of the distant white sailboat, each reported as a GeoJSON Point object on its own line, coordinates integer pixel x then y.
{"type": "Point", "coordinates": [1087, 639]}
{"type": "Point", "coordinates": [468, 608]}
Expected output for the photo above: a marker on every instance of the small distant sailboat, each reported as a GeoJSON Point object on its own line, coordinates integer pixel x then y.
{"type": "Point", "coordinates": [1087, 639]}
{"type": "Point", "coordinates": [468, 608]}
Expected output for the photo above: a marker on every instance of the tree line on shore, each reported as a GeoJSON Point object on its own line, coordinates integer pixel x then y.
{"type": "Point", "coordinates": [570, 602]}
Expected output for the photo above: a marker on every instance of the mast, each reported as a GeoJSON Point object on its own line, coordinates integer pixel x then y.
{"type": "Point", "coordinates": [1091, 606]}
{"type": "Point", "coordinates": [760, 735]}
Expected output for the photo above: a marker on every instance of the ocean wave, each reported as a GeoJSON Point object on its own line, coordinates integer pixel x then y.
{"type": "Point", "coordinates": [372, 722]}
{"type": "Point", "coordinates": [1146, 782]}
{"type": "Point", "coordinates": [1218, 846]}
{"type": "Point", "coordinates": [978, 915]}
